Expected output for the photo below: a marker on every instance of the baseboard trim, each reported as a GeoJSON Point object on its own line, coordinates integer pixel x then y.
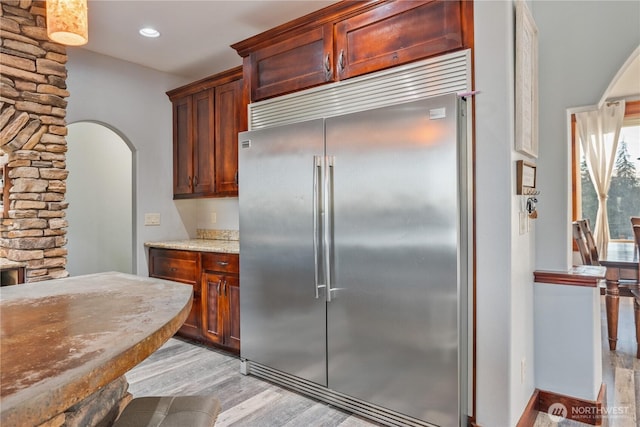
{"type": "Point", "coordinates": [530, 413]}
{"type": "Point", "coordinates": [581, 410]}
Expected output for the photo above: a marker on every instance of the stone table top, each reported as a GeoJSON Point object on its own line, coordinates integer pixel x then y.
{"type": "Point", "coordinates": [199, 245]}
{"type": "Point", "coordinates": [61, 340]}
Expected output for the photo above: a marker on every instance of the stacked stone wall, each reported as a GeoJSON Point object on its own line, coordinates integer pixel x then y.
{"type": "Point", "coordinates": [32, 141]}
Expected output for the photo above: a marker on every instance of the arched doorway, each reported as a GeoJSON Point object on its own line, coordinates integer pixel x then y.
{"type": "Point", "coordinates": [100, 192]}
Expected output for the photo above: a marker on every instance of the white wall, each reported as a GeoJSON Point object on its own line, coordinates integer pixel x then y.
{"type": "Point", "coordinates": [226, 211]}
{"type": "Point", "coordinates": [582, 46]}
{"type": "Point", "coordinates": [504, 258]}
{"type": "Point", "coordinates": [577, 63]}
{"type": "Point", "coordinates": [99, 192]}
{"type": "Point", "coordinates": [568, 340]}
{"type": "Point", "coordinates": [132, 99]}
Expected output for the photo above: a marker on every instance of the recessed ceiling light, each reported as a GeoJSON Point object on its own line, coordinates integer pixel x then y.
{"type": "Point", "coordinates": [149, 32]}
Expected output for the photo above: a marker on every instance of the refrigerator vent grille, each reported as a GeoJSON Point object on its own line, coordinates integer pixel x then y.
{"type": "Point", "coordinates": [450, 73]}
{"type": "Point", "coordinates": [351, 404]}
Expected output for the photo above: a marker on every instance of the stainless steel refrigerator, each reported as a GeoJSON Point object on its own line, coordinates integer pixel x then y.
{"type": "Point", "coordinates": [353, 259]}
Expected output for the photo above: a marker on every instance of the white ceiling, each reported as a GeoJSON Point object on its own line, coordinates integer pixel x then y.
{"type": "Point", "coordinates": [628, 81]}
{"type": "Point", "coordinates": [195, 35]}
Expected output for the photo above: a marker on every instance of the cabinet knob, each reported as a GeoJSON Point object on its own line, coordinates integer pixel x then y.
{"type": "Point", "coordinates": [190, 183]}
{"type": "Point", "coordinates": [173, 269]}
{"type": "Point", "coordinates": [195, 181]}
{"type": "Point", "coordinates": [341, 60]}
{"type": "Point", "coordinates": [223, 263]}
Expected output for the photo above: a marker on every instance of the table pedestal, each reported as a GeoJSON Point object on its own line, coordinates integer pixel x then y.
{"type": "Point", "coordinates": [98, 410]}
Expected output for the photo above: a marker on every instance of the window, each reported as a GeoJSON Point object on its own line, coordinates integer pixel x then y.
{"type": "Point", "coordinates": [624, 192]}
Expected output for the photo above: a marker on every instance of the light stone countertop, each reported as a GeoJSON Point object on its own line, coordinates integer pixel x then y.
{"type": "Point", "coordinates": [198, 245]}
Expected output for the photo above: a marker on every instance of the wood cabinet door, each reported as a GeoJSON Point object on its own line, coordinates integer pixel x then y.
{"type": "Point", "coordinates": [232, 328]}
{"type": "Point", "coordinates": [229, 112]}
{"type": "Point", "coordinates": [397, 33]}
{"type": "Point", "coordinates": [183, 267]}
{"type": "Point", "coordinates": [182, 146]}
{"type": "Point", "coordinates": [299, 62]}
{"type": "Point", "coordinates": [213, 312]}
{"type": "Point", "coordinates": [203, 142]}
{"type": "Point", "coordinates": [191, 326]}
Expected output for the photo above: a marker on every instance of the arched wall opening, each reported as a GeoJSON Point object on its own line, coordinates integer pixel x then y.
{"type": "Point", "coordinates": [101, 196]}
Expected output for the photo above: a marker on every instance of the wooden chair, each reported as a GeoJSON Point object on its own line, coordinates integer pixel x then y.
{"type": "Point", "coordinates": [635, 291]}
{"type": "Point", "coordinates": [578, 237]}
{"type": "Point", "coordinates": [590, 241]}
{"type": "Point", "coordinates": [635, 220]}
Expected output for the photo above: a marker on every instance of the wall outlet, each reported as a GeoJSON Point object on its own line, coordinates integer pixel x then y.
{"type": "Point", "coordinates": [523, 370]}
{"type": "Point", "coordinates": [152, 219]}
{"type": "Point", "coordinates": [214, 217]}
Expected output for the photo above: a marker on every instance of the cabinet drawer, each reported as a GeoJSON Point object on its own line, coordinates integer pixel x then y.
{"type": "Point", "coordinates": [225, 263]}
{"type": "Point", "coordinates": [180, 266]}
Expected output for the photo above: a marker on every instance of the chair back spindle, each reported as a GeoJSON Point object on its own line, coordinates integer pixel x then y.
{"type": "Point", "coordinates": [590, 241]}
{"type": "Point", "coordinates": [578, 237]}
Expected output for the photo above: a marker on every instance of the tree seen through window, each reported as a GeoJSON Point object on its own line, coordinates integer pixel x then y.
{"type": "Point", "coordinates": [624, 193]}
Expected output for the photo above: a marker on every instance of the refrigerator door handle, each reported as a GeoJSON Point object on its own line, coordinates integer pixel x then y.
{"type": "Point", "coordinates": [328, 223]}
{"type": "Point", "coordinates": [317, 173]}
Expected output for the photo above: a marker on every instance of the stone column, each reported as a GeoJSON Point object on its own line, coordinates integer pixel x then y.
{"type": "Point", "coordinates": [32, 141]}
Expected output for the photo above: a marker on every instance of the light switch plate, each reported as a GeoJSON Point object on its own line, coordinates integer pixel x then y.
{"type": "Point", "coordinates": [152, 219]}
{"type": "Point", "coordinates": [523, 219]}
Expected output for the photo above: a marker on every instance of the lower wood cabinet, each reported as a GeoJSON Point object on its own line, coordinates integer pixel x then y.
{"type": "Point", "coordinates": [183, 267]}
{"type": "Point", "coordinates": [221, 321]}
{"type": "Point", "coordinates": [215, 314]}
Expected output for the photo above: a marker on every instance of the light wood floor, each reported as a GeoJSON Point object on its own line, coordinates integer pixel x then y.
{"type": "Point", "coordinates": [180, 367]}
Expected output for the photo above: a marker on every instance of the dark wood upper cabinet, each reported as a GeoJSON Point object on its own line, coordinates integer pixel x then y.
{"type": "Point", "coordinates": [207, 116]}
{"type": "Point", "coordinates": [203, 142]}
{"type": "Point", "coordinates": [299, 62]}
{"type": "Point", "coordinates": [193, 144]}
{"type": "Point", "coordinates": [396, 33]}
{"type": "Point", "coordinates": [182, 147]}
{"type": "Point", "coordinates": [230, 118]}
{"type": "Point", "coordinates": [352, 38]}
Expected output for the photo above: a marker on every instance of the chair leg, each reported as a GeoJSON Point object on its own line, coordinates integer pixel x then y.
{"type": "Point", "coordinates": [636, 315]}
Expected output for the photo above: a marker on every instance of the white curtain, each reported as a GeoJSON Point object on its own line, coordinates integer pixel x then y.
{"type": "Point", "coordinates": [599, 131]}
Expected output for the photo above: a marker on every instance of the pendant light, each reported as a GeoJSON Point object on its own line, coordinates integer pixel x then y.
{"type": "Point", "coordinates": [67, 21]}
